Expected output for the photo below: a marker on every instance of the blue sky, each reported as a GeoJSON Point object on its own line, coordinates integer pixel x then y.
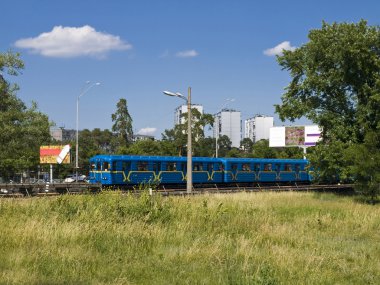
{"type": "Point", "coordinates": [136, 49]}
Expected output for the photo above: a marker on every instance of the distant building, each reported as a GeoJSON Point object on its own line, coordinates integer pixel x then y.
{"type": "Point", "coordinates": [62, 135]}
{"type": "Point", "coordinates": [258, 128]}
{"type": "Point", "coordinates": [228, 123]}
{"type": "Point", "coordinates": [178, 119]}
{"type": "Point", "coordinates": [138, 137]}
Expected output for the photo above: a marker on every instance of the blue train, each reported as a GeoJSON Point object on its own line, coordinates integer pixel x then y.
{"type": "Point", "coordinates": [125, 171]}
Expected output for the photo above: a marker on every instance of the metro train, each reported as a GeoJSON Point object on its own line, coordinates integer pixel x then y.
{"type": "Point", "coordinates": [125, 171]}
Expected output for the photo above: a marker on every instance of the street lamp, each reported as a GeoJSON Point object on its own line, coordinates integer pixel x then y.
{"type": "Point", "coordinates": [189, 184]}
{"type": "Point", "coordinates": [85, 90]}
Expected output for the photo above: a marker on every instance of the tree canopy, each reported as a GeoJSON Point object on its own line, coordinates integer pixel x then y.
{"type": "Point", "coordinates": [22, 130]}
{"type": "Point", "coordinates": [335, 82]}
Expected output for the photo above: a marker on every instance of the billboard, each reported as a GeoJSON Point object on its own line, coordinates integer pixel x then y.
{"type": "Point", "coordinates": [302, 136]}
{"type": "Point", "coordinates": [53, 154]}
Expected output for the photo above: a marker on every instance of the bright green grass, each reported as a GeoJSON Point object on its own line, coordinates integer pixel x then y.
{"type": "Point", "coordinates": [247, 238]}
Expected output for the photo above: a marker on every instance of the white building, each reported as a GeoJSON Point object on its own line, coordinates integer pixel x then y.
{"type": "Point", "coordinates": [183, 109]}
{"type": "Point", "coordinates": [258, 128]}
{"type": "Point", "coordinates": [228, 123]}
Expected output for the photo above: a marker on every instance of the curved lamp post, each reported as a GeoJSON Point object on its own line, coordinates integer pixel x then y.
{"type": "Point", "coordinates": [85, 90]}
{"type": "Point", "coordinates": [189, 184]}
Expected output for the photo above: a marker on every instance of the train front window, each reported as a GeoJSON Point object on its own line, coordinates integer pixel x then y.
{"type": "Point", "coordinates": [93, 166]}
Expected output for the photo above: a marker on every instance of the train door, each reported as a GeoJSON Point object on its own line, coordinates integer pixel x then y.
{"type": "Point", "coordinates": [257, 169]}
{"type": "Point", "coordinates": [297, 169]}
{"type": "Point", "coordinates": [277, 169]}
{"type": "Point", "coordinates": [234, 170]}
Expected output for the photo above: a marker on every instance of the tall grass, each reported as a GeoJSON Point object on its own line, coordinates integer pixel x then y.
{"type": "Point", "coordinates": [247, 238]}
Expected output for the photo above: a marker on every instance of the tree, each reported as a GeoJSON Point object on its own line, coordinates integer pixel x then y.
{"type": "Point", "coordinates": [336, 84]}
{"type": "Point", "coordinates": [143, 147]}
{"type": "Point", "coordinates": [122, 123]}
{"type": "Point", "coordinates": [178, 135]}
{"type": "Point", "coordinates": [22, 130]}
{"type": "Point", "coordinates": [246, 144]}
{"type": "Point", "coordinates": [224, 145]}
{"type": "Point", "coordinates": [261, 149]}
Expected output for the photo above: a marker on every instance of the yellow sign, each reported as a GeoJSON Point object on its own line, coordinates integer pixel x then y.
{"type": "Point", "coordinates": [53, 154]}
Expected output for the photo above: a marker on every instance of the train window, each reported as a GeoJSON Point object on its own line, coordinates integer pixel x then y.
{"type": "Point", "coordinates": [98, 166]}
{"type": "Point", "coordinates": [183, 166]}
{"type": "Point", "coordinates": [171, 166]}
{"type": "Point", "coordinates": [277, 167]}
{"type": "Point", "coordinates": [246, 167]}
{"type": "Point", "coordinates": [220, 166]}
{"type": "Point", "coordinates": [126, 166]}
{"type": "Point", "coordinates": [93, 166]}
{"type": "Point", "coordinates": [288, 167]}
{"type": "Point", "coordinates": [297, 167]}
{"type": "Point", "coordinates": [198, 167]}
{"type": "Point", "coordinates": [156, 166]}
{"type": "Point", "coordinates": [210, 167]}
{"type": "Point", "coordinates": [114, 164]}
{"type": "Point", "coordinates": [106, 166]}
{"type": "Point", "coordinates": [257, 166]}
{"type": "Point", "coordinates": [268, 167]}
{"type": "Point", "coordinates": [234, 166]}
{"type": "Point", "coordinates": [142, 166]}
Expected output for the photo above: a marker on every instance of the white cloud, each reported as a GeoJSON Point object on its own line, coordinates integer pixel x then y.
{"type": "Point", "coordinates": [187, 53]}
{"type": "Point", "coordinates": [73, 42]}
{"type": "Point", "coordinates": [277, 50]}
{"type": "Point", "coordinates": [147, 131]}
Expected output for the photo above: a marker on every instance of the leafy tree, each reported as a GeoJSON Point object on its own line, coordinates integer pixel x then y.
{"type": "Point", "coordinates": [261, 149]}
{"type": "Point", "coordinates": [205, 147]}
{"type": "Point", "coordinates": [178, 135]}
{"type": "Point", "coordinates": [22, 130]}
{"type": "Point", "coordinates": [336, 84]}
{"type": "Point", "coordinates": [364, 161]}
{"type": "Point", "coordinates": [177, 138]}
{"type": "Point", "coordinates": [143, 147]}
{"type": "Point", "coordinates": [122, 123]}
{"type": "Point", "coordinates": [246, 144]}
{"type": "Point", "coordinates": [224, 145]}
{"type": "Point", "coordinates": [234, 152]}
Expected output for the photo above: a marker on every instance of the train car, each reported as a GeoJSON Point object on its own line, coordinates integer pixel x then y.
{"type": "Point", "coordinates": [250, 170]}
{"type": "Point", "coordinates": [127, 170]}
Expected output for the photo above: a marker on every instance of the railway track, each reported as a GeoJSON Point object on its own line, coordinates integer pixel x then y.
{"type": "Point", "coordinates": [45, 190]}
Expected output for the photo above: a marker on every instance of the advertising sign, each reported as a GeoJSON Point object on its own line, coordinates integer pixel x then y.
{"type": "Point", "coordinates": [53, 154]}
{"type": "Point", "coordinates": [302, 136]}
{"type": "Point", "coordinates": [295, 136]}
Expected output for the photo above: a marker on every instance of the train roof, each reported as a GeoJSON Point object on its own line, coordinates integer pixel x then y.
{"type": "Point", "coordinates": [195, 158]}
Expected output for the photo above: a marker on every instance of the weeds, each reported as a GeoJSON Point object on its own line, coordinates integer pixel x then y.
{"type": "Point", "coordinates": [256, 238]}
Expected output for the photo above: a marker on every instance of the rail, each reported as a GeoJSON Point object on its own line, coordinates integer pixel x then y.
{"type": "Point", "coordinates": [52, 189]}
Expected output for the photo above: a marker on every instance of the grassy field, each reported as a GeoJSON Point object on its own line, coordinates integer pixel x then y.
{"type": "Point", "coordinates": [247, 238]}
